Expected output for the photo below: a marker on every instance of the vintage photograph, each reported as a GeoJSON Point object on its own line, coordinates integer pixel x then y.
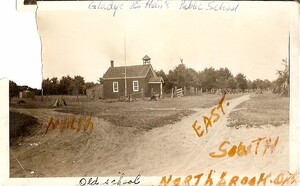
{"type": "Point", "coordinates": [157, 93]}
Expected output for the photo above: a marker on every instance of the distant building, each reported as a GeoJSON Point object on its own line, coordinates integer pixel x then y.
{"type": "Point", "coordinates": [26, 94]}
{"type": "Point", "coordinates": [139, 79]}
{"type": "Point", "coordinates": [95, 92]}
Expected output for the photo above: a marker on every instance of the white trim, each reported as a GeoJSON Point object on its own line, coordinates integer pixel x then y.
{"type": "Point", "coordinates": [154, 74]}
{"type": "Point", "coordinates": [154, 82]}
{"type": "Point", "coordinates": [117, 83]}
{"type": "Point", "coordinates": [137, 87]}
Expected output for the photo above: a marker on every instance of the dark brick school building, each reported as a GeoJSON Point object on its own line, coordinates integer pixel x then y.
{"type": "Point", "coordinates": [139, 79]}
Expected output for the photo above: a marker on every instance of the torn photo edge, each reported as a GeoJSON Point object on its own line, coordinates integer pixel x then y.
{"type": "Point", "coordinates": [294, 117]}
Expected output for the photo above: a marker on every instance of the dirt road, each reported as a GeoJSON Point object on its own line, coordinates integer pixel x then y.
{"type": "Point", "coordinates": [173, 149]}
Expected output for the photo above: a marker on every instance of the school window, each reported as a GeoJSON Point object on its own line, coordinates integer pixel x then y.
{"type": "Point", "coordinates": [115, 87]}
{"type": "Point", "coordinates": [135, 86]}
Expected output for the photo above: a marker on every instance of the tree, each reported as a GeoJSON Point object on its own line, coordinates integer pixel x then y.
{"type": "Point", "coordinates": [268, 84]}
{"type": "Point", "coordinates": [54, 85]}
{"type": "Point", "coordinates": [182, 76]}
{"type": "Point", "coordinates": [47, 86]}
{"type": "Point", "coordinates": [254, 85]}
{"type": "Point", "coordinates": [282, 82]}
{"type": "Point", "coordinates": [231, 83]}
{"type": "Point", "coordinates": [167, 85]}
{"type": "Point", "coordinates": [192, 78]}
{"type": "Point", "coordinates": [223, 75]}
{"type": "Point", "coordinates": [13, 89]}
{"type": "Point", "coordinates": [208, 78]}
{"type": "Point", "coordinates": [65, 85]}
{"type": "Point", "coordinates": [241, 81]}
{"type": "Point", "coordinates": [249, 84]}
{"type": "Point", "coordinates": [78, 85]}
{"type": "Point", "coordinates": [50, 86]}
{"type": "Point", "coordinates": [161, 73]}
{"type": "Point", "coordinates": [88, 85]}
{"type": "Point", "coordinates": [177, 76]}
{"type": "Point", "coordinates": [261, 84]}
{"type": "Point", "coordinates": [100, 80]}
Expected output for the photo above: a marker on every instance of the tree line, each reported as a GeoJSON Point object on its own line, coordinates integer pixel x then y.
{"type": "Point", "coordinates": [66, 85]}
{"type": "Point", "coordinates": [14, 89]}
{"type": "Point", "coordinates": [209, 79]}
{"type": "Point", "coordinates": [181, 76]}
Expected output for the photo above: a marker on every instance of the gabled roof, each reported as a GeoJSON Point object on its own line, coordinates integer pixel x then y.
{"type": "Point", "coordinates": [157, 79]}
{"type": "Point", "coordinates": [136, 71]}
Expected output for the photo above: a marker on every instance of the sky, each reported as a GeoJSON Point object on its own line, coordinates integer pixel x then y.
{"type": "Point", "coordinates": [253, 40]}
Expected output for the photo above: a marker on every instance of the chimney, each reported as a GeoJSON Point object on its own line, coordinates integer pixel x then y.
{"type": "Point", "coordinates": [112, 63]}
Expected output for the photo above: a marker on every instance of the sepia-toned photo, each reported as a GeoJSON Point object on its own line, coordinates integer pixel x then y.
{"type": "Point", "coordinates": [189, 96]}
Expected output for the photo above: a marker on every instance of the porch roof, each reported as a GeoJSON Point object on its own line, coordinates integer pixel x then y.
{"type": "Point", "coordinates": [157, 79]}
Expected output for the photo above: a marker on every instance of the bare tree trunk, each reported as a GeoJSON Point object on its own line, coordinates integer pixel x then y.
{"type": "Point", "coordinates": [77, 94]}
{"type": "Point", "coordinates": [42, 95]}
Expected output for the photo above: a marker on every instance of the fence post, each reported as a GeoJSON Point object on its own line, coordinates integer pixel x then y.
{"type": "Point", "coordinates": [142, 93]}
{"type": "Point", "coordinates": [172, 93]}
{"type": "Point", "coordinates": [184, 91]}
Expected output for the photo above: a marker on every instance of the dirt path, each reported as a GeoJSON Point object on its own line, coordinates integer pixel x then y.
{"type": "Point", "coordinates": [177, 150]}
{"type": "Point", "coordinates": [172, 149]}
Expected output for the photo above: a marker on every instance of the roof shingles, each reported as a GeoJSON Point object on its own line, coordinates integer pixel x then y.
{"type": "Point", "coordinates": [131, 71]}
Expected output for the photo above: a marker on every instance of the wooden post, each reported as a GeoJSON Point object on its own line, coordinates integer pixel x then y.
{"type": "Point", "coordinates": [142, 93]}
{"type": "Point", "coordinates": [184, 91]}
{"type": "Point", "coordinates": [161, 90]}
{"type": "Point", "coordinates": [151, 91]}
{"type": "Point", "coordinates": [196, 90]}
{"type": "Point", "coordinates": [42, 94]}
{"type": "Point", "coordinates": [172, 93]}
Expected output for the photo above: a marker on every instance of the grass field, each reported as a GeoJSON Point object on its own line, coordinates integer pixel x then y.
{"type": "Point", "coordinates": [260, 110]}
{"type": "Point", "coordinates": [144, 114]}
{"type": "Point", "coordinates": [141, 114]}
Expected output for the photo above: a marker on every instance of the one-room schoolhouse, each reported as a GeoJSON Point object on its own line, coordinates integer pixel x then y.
{"type": "Point", "coordinates": [140, 79]}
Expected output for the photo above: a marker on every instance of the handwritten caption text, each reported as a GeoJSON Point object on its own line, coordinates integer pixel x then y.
{"type": "Point", "coordinates": [213, 6]}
